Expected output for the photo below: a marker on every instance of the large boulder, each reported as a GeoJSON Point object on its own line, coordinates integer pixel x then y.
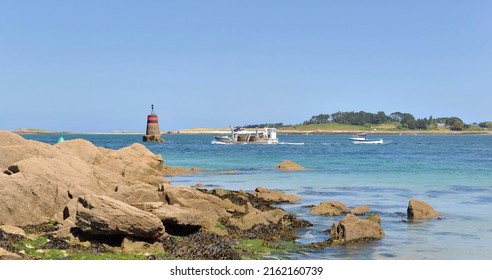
{"type": "Point", "coordinates": [420, 210]}
{"type": "Point", "coordinates": [102, 215]}
{"type": "Point", "coordinates": [14, 148]}
{"type": "Point", "coordinates": [276, 197]}
{"type": "Point", "coordinates": [41, 187]}
{"type": "Point", "coordinates": [352, 229]}
{"type": "Point", "coordinates": [135, 163]}
{"type": "Point", "coordinates": [211, 207]}
{"type": "Point", "coordinates": [38, 180]}
{"type": "Point", "coordinates": [329, 208]}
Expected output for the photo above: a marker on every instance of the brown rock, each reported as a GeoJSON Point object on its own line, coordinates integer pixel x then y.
{"type": "Point", "coordinates": [257, 217]}
{"type": "Point", "coordinates": [329, 208]}
{"type": "Point", "coordinates": [102, 215]}
{"type": "Point", "coordinates": [360, 210]}
{"type": "Point", "coordinates": [289, 166]}
{"type": "Point", "coordinates": [419, 210]}
{"type": "Point", "coordinates": [173, 214]}
{"type": "Point", "coordinates": [43, 179]}
{"type": "Point", "coordinates": [6, 255]}
{"type": "Point", "coordinates": [211, 207]}
{"type": "Point", "coordinates": [13, 230]}
{"type": "Point", "coordinates": [276, 197]}
{"type": "Point", "coordinates": [137, 247]}
{"type": "Point", "coordinates": [353, 229]}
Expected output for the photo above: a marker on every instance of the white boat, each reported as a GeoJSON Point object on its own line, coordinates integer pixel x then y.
{"type": "Point", "coordinates": [248, 135]}
{"type": "Point", "coordinates": [361, 138]}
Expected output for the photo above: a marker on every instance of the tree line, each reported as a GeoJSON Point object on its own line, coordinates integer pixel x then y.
{"type": "Point", "coordinates": [405, 120]}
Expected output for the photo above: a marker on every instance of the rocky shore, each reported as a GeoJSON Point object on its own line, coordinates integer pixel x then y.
{"type": "Point", "coordinates": [74, 200]}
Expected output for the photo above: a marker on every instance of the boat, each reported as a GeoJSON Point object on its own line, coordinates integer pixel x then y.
{"type": "Point", "coordinates": [361, 138]}
{"type": "Point", "coordinates": [248, 135]}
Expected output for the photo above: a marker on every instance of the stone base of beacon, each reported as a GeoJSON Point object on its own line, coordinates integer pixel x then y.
{"type": "Point", "coordinates": [153, 138]}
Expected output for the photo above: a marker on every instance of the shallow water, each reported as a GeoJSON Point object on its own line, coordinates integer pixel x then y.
{"type": "Point", "coordinates": [451, 172]}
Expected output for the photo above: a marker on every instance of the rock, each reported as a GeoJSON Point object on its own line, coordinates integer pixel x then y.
{"type": "Point", "coordinates": [329, 208]}
{"type": "Point", "coordinates": [135, 163]}
{"type": "Point", "coordinates": [419, 210]}
{"type": "Point", "coordinates": [13, 230]}
{"type": "Point", "coordinates": [6, 255]}
{"type": "Point", "coordinates": [374, 218]}
{"type": "Point", "coordinates": [153, 138]}
{"type": "Point", "coordinates": [102, 215]}
{"type": "Point", "coordinates": [289, 166]}
{"type": "Point", "coordinates": [276, 197]}
{"type": "Point", "coordinates": [209, 206]}
{"type": "Point", "coordinates": [14, 148]}
{"type": "Point", "coordinates": [360, 210]}
{"type": "Point", "coordinates": [137, 247]}
{"type": "Point", "coordinates": [176, 219]}
{"type": "Point", "coordinates": [45, 178]}
{"type": "Point", "coordinates": [230, 207]}
{"type": "Point", "coordinates": [257, 217]}
{"type": "Point", "coordinates": [352, 229]}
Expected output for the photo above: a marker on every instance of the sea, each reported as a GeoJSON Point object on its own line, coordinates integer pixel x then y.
{"type": "Point", "coordinates": [453, 173]}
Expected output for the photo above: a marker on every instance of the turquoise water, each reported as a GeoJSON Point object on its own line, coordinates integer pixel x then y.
{"type": "Point", "coordinates": [452, 173]}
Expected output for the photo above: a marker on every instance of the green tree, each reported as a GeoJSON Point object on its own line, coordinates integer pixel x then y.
{"type": "Point", "coordinates": [457, 124]}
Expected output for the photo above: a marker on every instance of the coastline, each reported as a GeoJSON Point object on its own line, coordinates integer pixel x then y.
{"type": "Point", "coordinates": [280, 131]}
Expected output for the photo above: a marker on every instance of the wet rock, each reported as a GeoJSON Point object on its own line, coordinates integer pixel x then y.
{"type": "Point", "coordinates": [360, 210]}
{"type": "Point", "coordinates": [329, 208]}
{"type": "Point", "coordinates": [289, 166]}
{"type": "Point", "coordinates": [420, 210]}
{"type": "Point", "coordinates": [153, 138]}
{"type": "Point", "coordinates": [257, 217]}
{"type": "Point", "coordinates": [352, 229]}
{"type": "Point", "coordinates": [276, 197]}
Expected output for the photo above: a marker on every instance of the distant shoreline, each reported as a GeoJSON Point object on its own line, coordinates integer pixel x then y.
{"type": "Point", "coordinates": [280, 131]}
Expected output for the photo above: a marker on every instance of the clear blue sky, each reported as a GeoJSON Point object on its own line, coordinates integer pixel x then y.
{"type": "Point", "coordinates": [96, 66]}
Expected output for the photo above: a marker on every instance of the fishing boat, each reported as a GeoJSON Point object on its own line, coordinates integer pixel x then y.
{"type": "Point", "coordinates": [361, 138]}
{"type": "Point", "coordinates": [248, 135]}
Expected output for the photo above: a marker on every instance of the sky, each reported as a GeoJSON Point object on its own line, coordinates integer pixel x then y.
{"type": "Point", "coordinates": [97, 66]}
